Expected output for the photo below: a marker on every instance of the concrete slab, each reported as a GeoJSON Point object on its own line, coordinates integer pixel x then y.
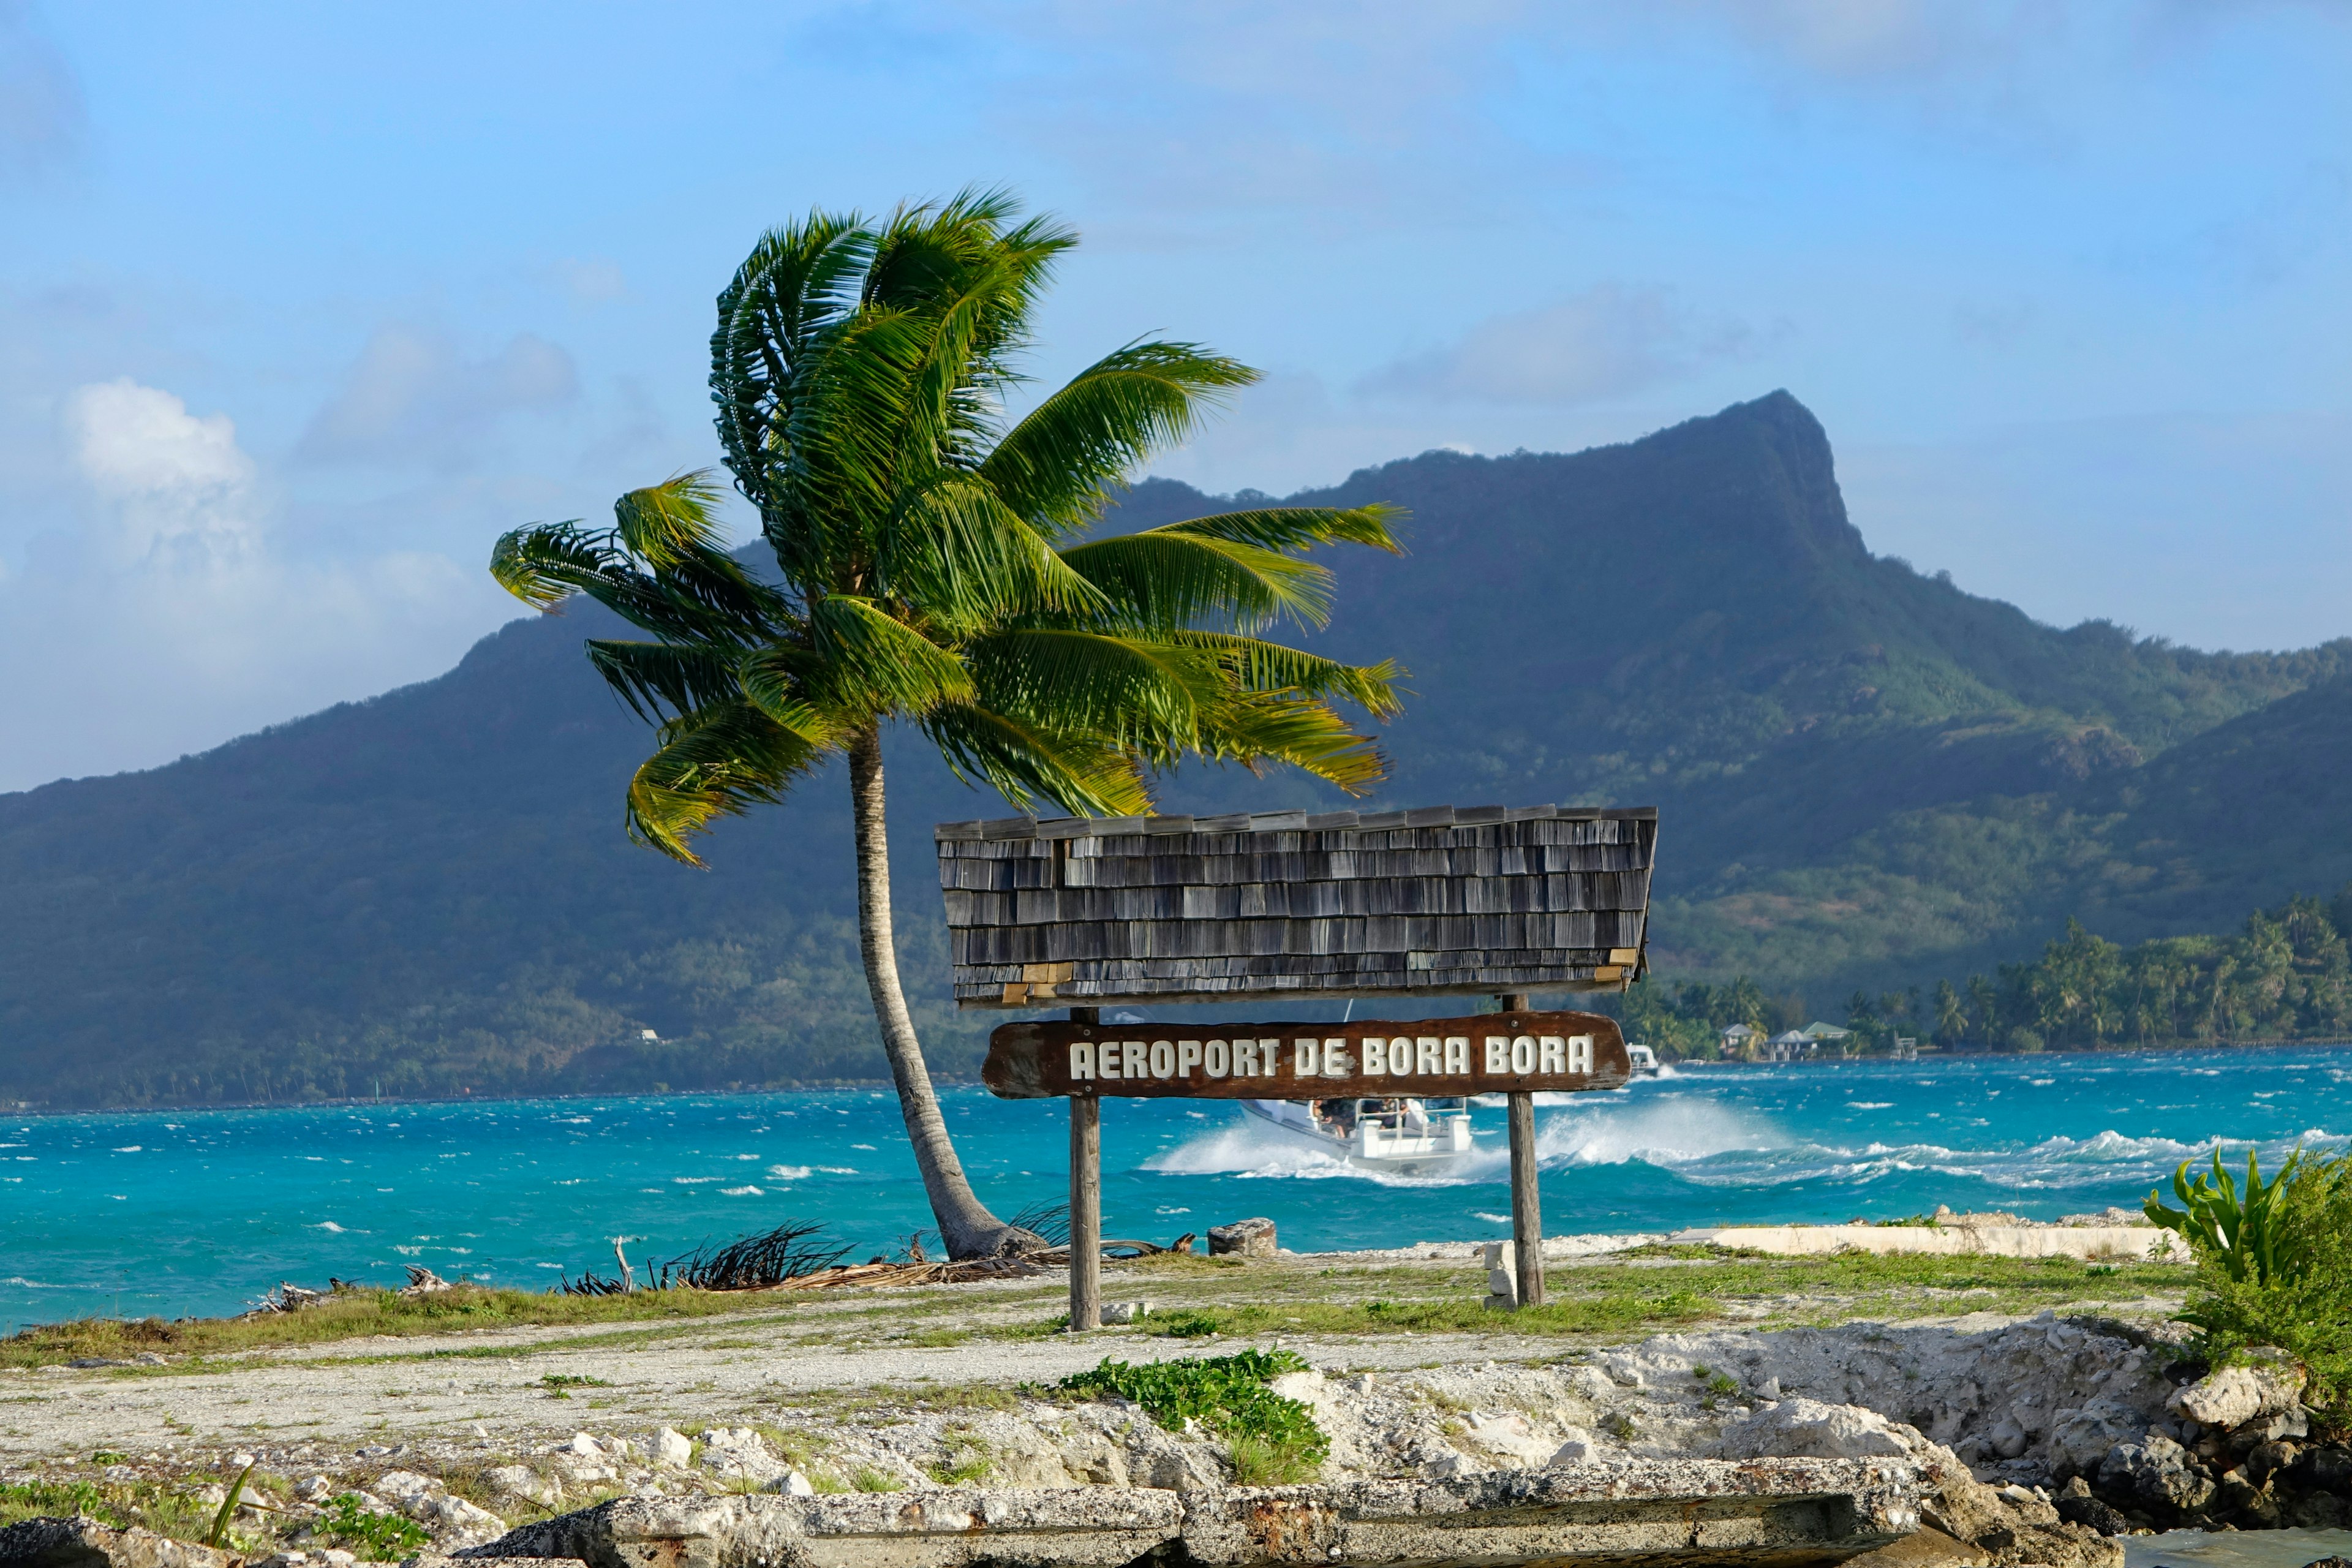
{"type": "Point", "coordinates": [2088, 1242]}
{"type": "Point", "coordinates": [1767, 1513]}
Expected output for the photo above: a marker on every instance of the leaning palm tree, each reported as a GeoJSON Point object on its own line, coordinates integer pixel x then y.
{"type": "Point", "coordinates": [932, 566]}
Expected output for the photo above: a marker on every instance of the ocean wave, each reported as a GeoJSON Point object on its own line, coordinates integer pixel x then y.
{"type": "Point", "coordinates": [1674, 1130]}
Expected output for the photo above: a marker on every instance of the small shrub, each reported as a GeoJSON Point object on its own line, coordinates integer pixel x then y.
{"type": "Point", "coordinates": [2292, 1289]}
{"type": "Point", "coordinates": [378, 1537]}
{"type": "Point", "coordinates": [872, 1480]}
{"type": "Point", "coordinates": [1229, 1396]}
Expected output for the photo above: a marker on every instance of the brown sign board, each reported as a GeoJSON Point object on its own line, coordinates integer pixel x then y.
{"type": "Point", "coordinates": [1491, 1053]}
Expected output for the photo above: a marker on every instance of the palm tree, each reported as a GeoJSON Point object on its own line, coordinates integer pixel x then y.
{"type": "Point", "coordinates": [932, 566]}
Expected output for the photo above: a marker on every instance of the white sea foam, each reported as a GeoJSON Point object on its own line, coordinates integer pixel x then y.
{"type": "Point", "coordinates": [329, 1225]}
{"type": "Point", "coordinates": [1246, 1152]}
{"type": "Point", "coordinates": [742, 1192]}
{"type": "Point", "coordinates": [792, 1172]}
{"type": "Point", "coordinates": [696, 1180]}
{"type": "Point", "coordinates": [1672, 1129]}
{"type": "Point", "coordinates": [1490, 1218]}
{"type": "Point", "coordinates": [1870, 1105]}
{"type": "Point", "coordinates": [129, 1149]}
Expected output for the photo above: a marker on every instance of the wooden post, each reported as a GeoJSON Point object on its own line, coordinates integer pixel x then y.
{"type": "Point", "coordinates": [1086, 1201]}
{"type": "Point", "coordinates": [1527, 1200]}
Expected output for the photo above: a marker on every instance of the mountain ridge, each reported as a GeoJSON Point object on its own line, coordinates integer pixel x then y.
{"type": "Point", "coordinates": [1865, 773]}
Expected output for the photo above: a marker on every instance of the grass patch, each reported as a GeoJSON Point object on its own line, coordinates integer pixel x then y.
{"type": "Point", "coordinates": [351, 1315]}
{"type": "Point", "coordinates": [1266, 1433]}
{"type": "Point", "coordinates": [966, 1463]}
{"type": "Point", "coordinates": [558, 1384]}
{"type": "Point", "coordinates": [167, 1510]}
{"type": "Point", "coordinates": [938, 1339]}
{"type": "Point", "coordinates": [869, 1479]}
{"type": "Point", "coordinates": [1660, 1289]}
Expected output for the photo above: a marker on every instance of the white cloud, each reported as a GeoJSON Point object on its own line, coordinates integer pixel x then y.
{"type": "Point", "coordinates": [1603, 343]}
{"type": "Point", "coordinates": [163, 478]}
{"type": "Point", "coordinates": [175, 616]}
{"type": "Point", "coordinates": [413, 397]}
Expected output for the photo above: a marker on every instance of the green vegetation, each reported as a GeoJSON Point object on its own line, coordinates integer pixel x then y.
{"type": "Point", "coordinates": [2248, 1238]}
{"type": "Point", "coordinates": [1647, 1291]}
{"type": "Point", "coordinates": [168, 1510]}
{"type": "Point", "coordinates": [378, 1537]}
{"type": "Point", "coordinates": [351, 1315]}
{"type": "Point", "coordinates": [2276, 1272]}
{"type": "Point", "coordinates": [219, 1532]}
{"type": "Point", "coordinates": [966, 1463]}
{"type": "Point", "coordinates": [1272, 1441]}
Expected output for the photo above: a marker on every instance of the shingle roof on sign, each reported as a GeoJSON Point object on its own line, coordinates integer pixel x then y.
{"type": "Point", "coordinates": [1444, 900]}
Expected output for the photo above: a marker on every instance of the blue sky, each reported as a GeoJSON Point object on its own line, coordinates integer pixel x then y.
{"type": "Point", "coordinates": [300, 306]}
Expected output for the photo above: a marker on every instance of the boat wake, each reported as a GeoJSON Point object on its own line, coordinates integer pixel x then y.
{"type": "Point", "coordinates": [1245, 1153]}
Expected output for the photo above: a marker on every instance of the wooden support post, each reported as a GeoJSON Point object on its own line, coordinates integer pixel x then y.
{"type": "Point", "coordinates": [1086, 1201]}
{"type": "Point", "coordinates": [1527, 1199]}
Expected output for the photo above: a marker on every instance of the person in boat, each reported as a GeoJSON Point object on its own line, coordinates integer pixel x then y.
{"type": "Point", "coordinates": [1339, 1115]}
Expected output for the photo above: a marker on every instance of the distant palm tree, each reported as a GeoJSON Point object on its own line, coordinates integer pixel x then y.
{"type": "Point", "coordinates": [930, 567]}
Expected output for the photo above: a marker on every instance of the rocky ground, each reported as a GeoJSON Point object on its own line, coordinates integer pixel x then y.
{"type": "Point", "coordinates": [2045, 1435]}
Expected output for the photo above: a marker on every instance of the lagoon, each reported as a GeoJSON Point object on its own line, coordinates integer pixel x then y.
{"type": "Point", "coordinates": [186, 1212]}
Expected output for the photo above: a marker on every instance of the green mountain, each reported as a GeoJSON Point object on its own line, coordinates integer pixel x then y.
{"type": "Point", "coordinates": [1867, 778]}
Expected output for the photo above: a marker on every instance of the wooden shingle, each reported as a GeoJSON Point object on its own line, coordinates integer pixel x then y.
{"type": "Point", "coordinates": [1440, 899]}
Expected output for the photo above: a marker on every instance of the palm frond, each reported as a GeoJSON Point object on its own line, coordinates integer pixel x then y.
{"type": "Point", "coordinates": [1143, 692]}
{"type": "Point", "coordinates": [845, 434]}
{"type": "Point", "coordinates": [652, 677]}
{"type": "Point", "coordinates": [718, 761]}
{"type": "Point", "coordinates": [1058, 464]}
{"type": "Point", "coordinates": [1286, 728]}
{"type": "Point", "coordinates": [674, 520]}
{"type": "Point", "coordinates": [780, 682]}
{"type": "Point", "coordinates": [1164, 578]}
{"type": "Point", "coordinates": [798, 281]}
{"type": "Point", "coordinates": [1270, 667]}
{"type": "Point", "coordinates": [1027, 763]}
{"type": "Point", "coordinates": [873, 663]}
{"type": "Point", "coordinates": [1289, 528]}
{"type": "Point", "coordinates": [547, 563]}
{"type": "Point", "coordinates": [957, 551]}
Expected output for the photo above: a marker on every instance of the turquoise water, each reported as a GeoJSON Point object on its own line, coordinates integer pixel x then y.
{"type": "Point", "coordinates": [199, 1212]}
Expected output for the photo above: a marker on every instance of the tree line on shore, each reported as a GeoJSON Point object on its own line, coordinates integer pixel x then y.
{"type": "Point", "coordinates": [2286, 975]}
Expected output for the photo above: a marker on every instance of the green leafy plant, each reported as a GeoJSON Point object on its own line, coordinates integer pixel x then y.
{"type": "Point", "coordinates": [874, 1480]}
{"type": "Point", "coordinates": [229, 1507]}
{"type": "Point", "coordinates": [2243, 1236]}
{"type": "Point", "coordinates": [1271, 1439]}
{"type": "Point", "coordinates": [2302, 1304]}
{"type": "Point", "coordinates": [349, 1523]}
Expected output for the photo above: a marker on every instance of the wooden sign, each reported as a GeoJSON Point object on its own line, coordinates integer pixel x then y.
{"type": "Point", "coordinates": [1493, 1053]}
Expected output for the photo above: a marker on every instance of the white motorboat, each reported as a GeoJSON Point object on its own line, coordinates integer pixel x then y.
{"type": "Point", "coordinates": [1644, 1060]}
{"type": "Point", "coordinates": [1409, 1136]}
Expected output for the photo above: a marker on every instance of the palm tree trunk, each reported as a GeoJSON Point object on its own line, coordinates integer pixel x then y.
{"type": "Point", "coordinates": [965, 1225]}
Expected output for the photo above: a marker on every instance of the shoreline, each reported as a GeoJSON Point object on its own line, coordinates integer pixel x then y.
{"type": "Point", "coordinates": [824, 1085]}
